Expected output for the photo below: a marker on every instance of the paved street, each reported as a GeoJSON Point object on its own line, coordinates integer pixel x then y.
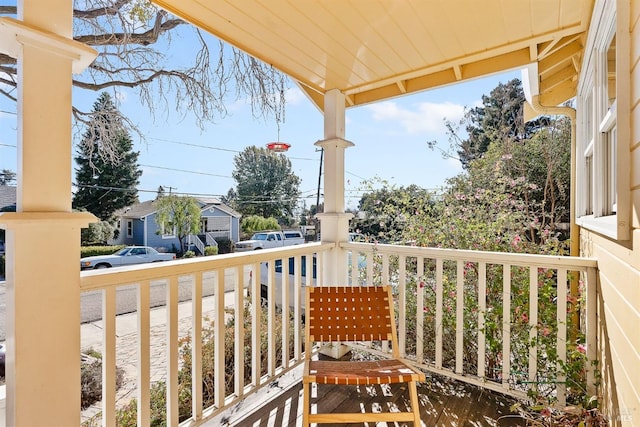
{"type": "Point", "coordinates": [126, 301]}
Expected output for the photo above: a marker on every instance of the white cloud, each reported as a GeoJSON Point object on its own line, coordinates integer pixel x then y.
{"type": "Point", "coordinates": [426, 117]}
{"type": "Point", "coordinates": [294, 96]}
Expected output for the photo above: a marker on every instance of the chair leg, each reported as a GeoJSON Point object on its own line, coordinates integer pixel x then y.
{"type": "Point", "coordinates": [306, 403]}
{"type": "Point", "coordinates": [415, 407]}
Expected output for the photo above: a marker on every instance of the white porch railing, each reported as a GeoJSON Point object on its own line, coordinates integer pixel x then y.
{"type": "Point", "coordinates": [450, 314]}
{"type": "Point", "coordinates": [447, 304]}
{"type": "Point", "coordinates": [283, 352]}
{"type": "Point", "coordinates": [195, 240]}
{"type": "Point", "coordinates": [211, 238]}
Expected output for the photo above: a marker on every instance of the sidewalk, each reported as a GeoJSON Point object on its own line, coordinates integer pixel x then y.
{"type": "Point", "coordinates": [126, 344]}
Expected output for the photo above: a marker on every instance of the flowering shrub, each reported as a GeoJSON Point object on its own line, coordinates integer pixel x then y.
{"type": "Point", "coordinates": [510, 200]}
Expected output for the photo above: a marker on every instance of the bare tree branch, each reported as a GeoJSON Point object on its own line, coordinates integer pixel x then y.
{"type": "Point", "coordinates": [107, 10]}
{"type": "Point", "coordinates": [132, 37]}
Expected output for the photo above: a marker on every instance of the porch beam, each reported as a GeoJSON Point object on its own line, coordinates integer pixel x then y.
{"type": "Point", "coordinates": [43, 286]}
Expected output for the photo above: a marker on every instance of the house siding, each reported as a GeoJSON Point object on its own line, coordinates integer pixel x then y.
{"type": "Point", "coordinates": [157, 241]}
{"type": "Point", "coordinates": [619, 264]}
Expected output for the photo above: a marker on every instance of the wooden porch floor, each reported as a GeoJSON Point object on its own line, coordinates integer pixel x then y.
{"type": "Point", "coordinates": [443, 403]}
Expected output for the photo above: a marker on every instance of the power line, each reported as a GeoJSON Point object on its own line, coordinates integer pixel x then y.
{"type": "Point", "coordinates": [208, 147]}
{"type": "Point", "coordinates": [186, 171]}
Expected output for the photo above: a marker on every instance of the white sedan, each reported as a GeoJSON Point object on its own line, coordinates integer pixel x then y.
{"type": "Point", "coordinates": [125, 256]}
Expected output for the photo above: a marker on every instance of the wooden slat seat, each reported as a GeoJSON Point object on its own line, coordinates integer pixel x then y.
{"type": "Point", "coordinates": [361, 373]}
{"type": "Point", "coordinates": [355, 313]}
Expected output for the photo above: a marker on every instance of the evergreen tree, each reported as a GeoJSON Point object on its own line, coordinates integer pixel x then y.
{"type": "Point", "coordinates": [498, 119]}
{"type": "Point", "coordinates": [106, 181]}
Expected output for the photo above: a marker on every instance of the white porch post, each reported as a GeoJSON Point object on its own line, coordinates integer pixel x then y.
{"type": "Point", "coordinates": [335, 222]}
{"type": "Point", "coordinates": [43, 236]}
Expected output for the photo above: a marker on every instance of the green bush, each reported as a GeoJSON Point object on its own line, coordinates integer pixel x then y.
{"type": "Point", "coordinates": [254, 223]}
{"type": "Point", "coordinates": [211, 250]}
{"type": "Point", "coordinates": [189, 254]}
{"type": "Point", "coordinates": [99, 250]}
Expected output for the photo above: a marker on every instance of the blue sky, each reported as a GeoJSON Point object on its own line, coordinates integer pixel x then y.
{"type": "Point", "coordinates": [390, 140]}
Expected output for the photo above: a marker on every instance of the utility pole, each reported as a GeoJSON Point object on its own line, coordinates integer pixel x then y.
{"type": "Point", "coordinates": [317, 221]}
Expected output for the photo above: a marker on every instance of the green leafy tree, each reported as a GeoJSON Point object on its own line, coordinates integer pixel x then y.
{"type": "Point", "coordinates": [253, 223]}
{"type": "Point", "coordinates": [180, 214]}
{"type": "Point", "coordinates": [384, 211]}
{"type": "Point", "coordinates": [265, 184]}
{"type": "Point", "coordinates": [106, 180]}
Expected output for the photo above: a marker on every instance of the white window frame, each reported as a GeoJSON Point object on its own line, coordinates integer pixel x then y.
{"type": "Point", "coordinates": [603, 192]}
{"type": "Point", "coordinates": [165, 235]}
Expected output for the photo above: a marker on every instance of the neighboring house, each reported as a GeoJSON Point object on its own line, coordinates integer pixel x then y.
{"type": "Point", "coordinates": [138, 226]}
{"type": "Point", "coordinates": [7, 198]}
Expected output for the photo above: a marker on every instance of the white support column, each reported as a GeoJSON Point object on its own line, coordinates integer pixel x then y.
{"type": "Point", "coordinates": [335, 222]}
{"type": "Point", "coordinates": [43, 236]}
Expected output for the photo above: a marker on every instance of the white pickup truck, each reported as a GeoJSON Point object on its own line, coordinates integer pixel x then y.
{"type": "Point", "coordinates": [270, 239]}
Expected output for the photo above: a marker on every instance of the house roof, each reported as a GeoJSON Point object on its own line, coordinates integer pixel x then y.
{"type": "Point", "coordinates": [143, 209]}
{"type": "Point", "coordinates": [377, 49]}
{"type": "Point", "coordinates": [7, 196]}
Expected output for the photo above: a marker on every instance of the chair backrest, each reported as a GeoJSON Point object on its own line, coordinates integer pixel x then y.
{"type": "Point", "coordinates": [350, 313]}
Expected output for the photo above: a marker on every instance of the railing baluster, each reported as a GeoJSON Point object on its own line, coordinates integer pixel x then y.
{"type": "Point", "coordinates": [286, 298]}
{"type": "Point", "coordinates": [219, 347]}
{"type": "Point", "coordinates": [459, 316]}
{"type": "Point", "coordinates": [533, 325]}
{"type": "Point", "coordinates": [239, 332]}
{"type": "Point", "coordinates": [297, 297]}
{"type": "Point", "coordinates": [355, 272]}
{"type": "Point", "coordinates": [562, 335]}
{"type": "Point", "coordinates": [256, 318]}
{"type": "Point", "coordinates": [506, 324]}
{"type": "Point", "coordinates": [438, 325]}
{"type": "Point", "coordinates": [144, 355]}
{"type": "Point", "coordinates": [109, 357]}
{"type": "Point", "coordinates": [385, 269]}
{"type": "Point", "coordinates": [196, 346]}
{"type": "Point", "coordinates": [482, 309]}
{"type": "Point", "coordinates": [370, 263]}
{"type": "Point", "coordinates": [319, 269]}
{"type": "Point", "coordinates": [420, 310]}
{"type": "Point", "coordinates": [271, 319]}
{"type": "Point", "coordinates": [172, 351]}
{"type": "Point", "coordinates": [402, 304]}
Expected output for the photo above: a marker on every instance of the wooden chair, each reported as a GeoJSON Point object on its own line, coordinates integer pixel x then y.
{"type": "Point", "coordinates": [354, 313]}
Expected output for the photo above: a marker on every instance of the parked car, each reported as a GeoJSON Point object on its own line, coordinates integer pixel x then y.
{"type": "Point", "coordinates": [264, 278]}
{"type": "Point", "coordinates": [126, 256]}
{"type": "Point", "coordinates": [289, 268]}
{"type": "Point", "coordinates": [271, 239]}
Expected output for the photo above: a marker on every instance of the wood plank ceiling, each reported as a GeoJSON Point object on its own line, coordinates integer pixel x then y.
{"type": "Point", "coordinates": [377, 49]}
